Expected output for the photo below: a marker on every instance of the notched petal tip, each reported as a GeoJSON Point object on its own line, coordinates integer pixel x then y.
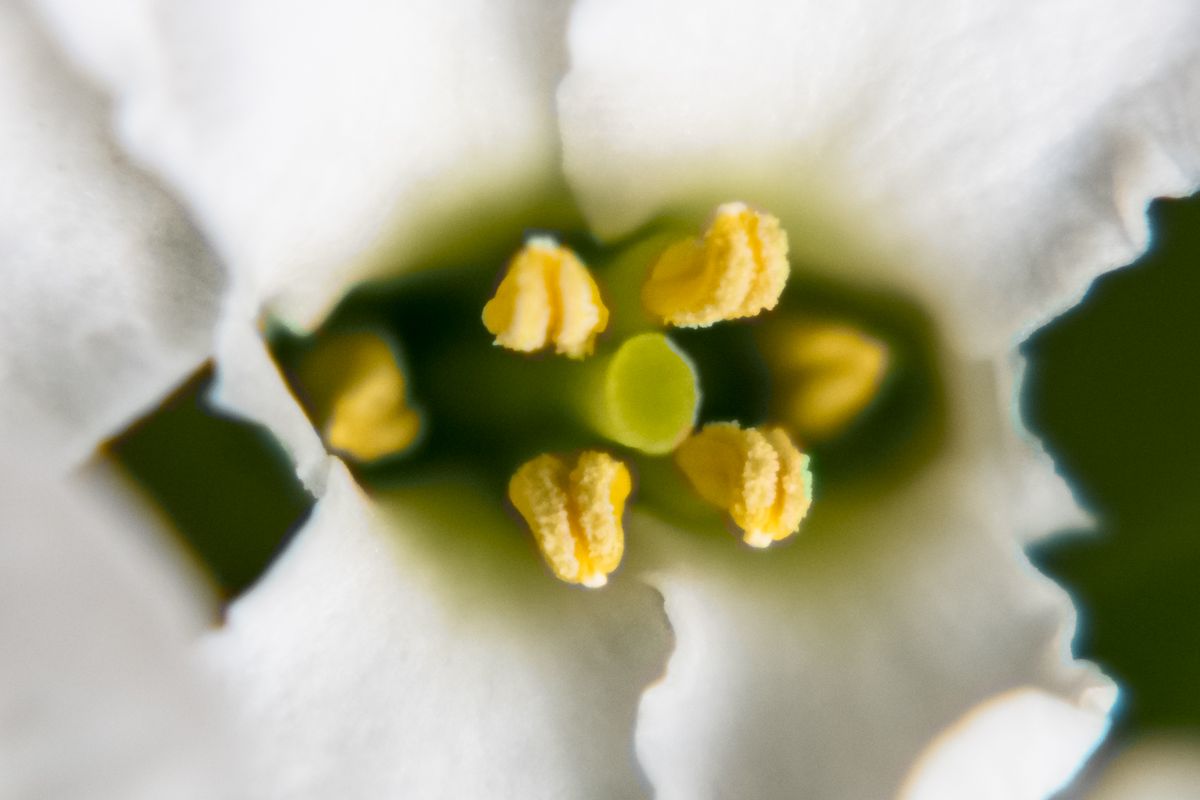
{"type": "Point", "coordinates": [547, 297]}
{"type": "Point", "coordinates": [758, 476]}
{"type": "Point", "coordinates": [737, 269]}
{"type": "Point", "coordinates": [575, 513]}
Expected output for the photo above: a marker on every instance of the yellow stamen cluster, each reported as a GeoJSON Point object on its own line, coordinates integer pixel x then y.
{"type": "Point", "coordinates": [643, 394]}
{"type": "Point", "coordinates": [366, 413]}
{"type": "Point", "coordinates": [575, 513]}
{"type": "Point", "coordinates": [547, 297]}
{"type": "Point", "coordinates": [737, 269]}
{"type": "Point", "coordinates": [826, 373]}
{"type": "Point", "coordinates": [758, 476]}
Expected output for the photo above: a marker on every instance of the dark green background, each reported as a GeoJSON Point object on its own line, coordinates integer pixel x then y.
{"type": "Point", "coordinates": [1114, 392]}
{"type": "Point", "coordinates": [1113, 389]}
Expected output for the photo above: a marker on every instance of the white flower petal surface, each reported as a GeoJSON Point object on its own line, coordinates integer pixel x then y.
{"type": "Point", "coordinates": [414, 646]}
{"type": "Point", "coordinates": [990, 157]}
{"type": "Point", "coordinates": [252, 387]}
{"type": "Point", "coordinates": [1041, 501]}
{"type": "Point", "coordinates": [109, 295]}
{"type": "Point", "coordinates": [1024, 744]}
{"type": "Point", "coordinates": [99, 697]}
{"type": "Point", "coordinates": [302, 134]}
{"type": "Point", "coordinates": [825, 666]}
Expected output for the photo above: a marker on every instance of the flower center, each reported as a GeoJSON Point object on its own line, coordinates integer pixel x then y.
{"type": "Point", "coordinates": [571, 388]}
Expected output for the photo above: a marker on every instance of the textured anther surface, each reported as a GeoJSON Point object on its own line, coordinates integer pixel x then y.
{"type": "Point", "coordinates": [575, 513]}
{"type": "Point", "coordinates": [758, 476]}
{"type": "Point", "coordinates": [547, 297]}
{"type": "Point", "coordinates": [737, 269]}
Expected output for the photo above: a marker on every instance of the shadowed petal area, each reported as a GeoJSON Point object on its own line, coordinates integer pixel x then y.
{"type": "Point", "coordinates": [989, 157]}
{"type": "Point", "coordinates": [109, 295]}
{"type": "Point", "coordinates": [300, 133]}
{"type": "Point", "coordinates": [824, 667]}
{"type": "Point", "coordinates": [415, 646]}
{"type": "Point", "coordinates": [99, 697]}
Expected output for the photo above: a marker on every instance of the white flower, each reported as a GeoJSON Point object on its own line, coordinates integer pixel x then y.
{"type": "Point", "coordinates": [988, 159]}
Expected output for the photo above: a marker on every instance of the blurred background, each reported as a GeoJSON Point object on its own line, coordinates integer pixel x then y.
{"type": "Point", "coordinates": [1113, 390]}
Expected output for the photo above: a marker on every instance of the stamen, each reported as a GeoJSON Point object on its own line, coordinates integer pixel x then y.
{"type": "Point", "coordinates": [826, 374]}
{"type": "Point", "coordinates": [758, 476]}
{"type": "Point", "coordinates": [547, 296]}
{"type": "Point", "coordinates": [575, 514]}
{"type": "Point", "coordinates": [360, 393]}
{"type": "Point", "coordinates": [737, 269]}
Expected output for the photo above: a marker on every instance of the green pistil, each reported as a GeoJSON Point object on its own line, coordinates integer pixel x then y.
{"type": "Point", "coordinates": [647, 397]}
{"type": "Point", "coordinates": [622, 277]}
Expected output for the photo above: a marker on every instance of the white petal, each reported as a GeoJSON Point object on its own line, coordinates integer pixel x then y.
{"type": "Point", "coordinates": [251, 386]}
{"type": "Point", "coordinates": [822, 668]}
{"type": "Point", "coordinates": [1165, 767]}
{"type": "Point", "coordinates": [1042, 503]}
{"type": "Point", "coordinates": [990, 157]}
{"type": "Point", "coordinates": [301, 133]}
{"type": "Point", "coordinates": [98, 695]}
{"type": "Point", "coordinates": [1024, 744]}
{"type": "Point", "coordinates": [416, 647]}
{"type": "Point", "coordinates": [1028, 497]}
{"type": "Point", "coordinates": [108, 293]}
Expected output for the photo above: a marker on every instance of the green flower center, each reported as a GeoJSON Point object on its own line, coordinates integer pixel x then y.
{"type": "Point", "coordinates": [550, 377]}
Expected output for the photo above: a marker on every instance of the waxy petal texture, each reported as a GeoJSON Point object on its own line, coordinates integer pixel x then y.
{"type": "Point", "coordinates": [989, 157]}
{"type": "Point", "coordinates": [109, 295]}
{"type": "Point", "coordinates": [100, 696]}
{"type": "Point", "coordinates": [306, 137]}
{"type": "Point", "coordinates": [414, 645]}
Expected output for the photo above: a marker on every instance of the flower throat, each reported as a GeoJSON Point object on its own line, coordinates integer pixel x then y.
{"type": "Point", "coordinates": [672, 373]}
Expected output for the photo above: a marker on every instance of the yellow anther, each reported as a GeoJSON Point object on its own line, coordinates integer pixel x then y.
{"type": "Point", "coordinates": [758, 476]}
{"type": "Point", "coordinates": [575, 513]}
{"type": "Point", "coordinates": [547, 297]}
{"type": "Point", "coordinates": [737, 269]}
{"type": "Point", "coordinates": [825, 373]}
{"type": "Point", "coordinates": [359, 393]}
